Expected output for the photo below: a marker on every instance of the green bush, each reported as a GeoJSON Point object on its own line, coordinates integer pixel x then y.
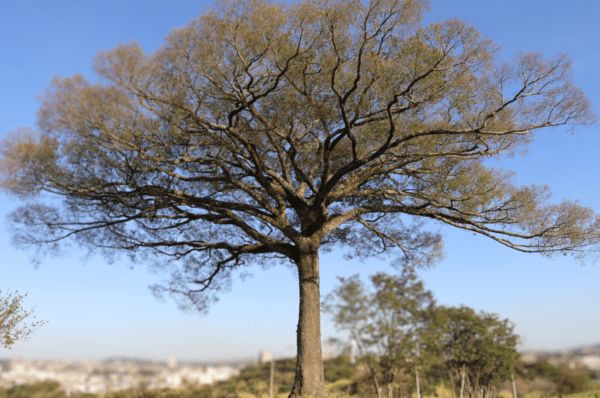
{"type": "Point", "coordinates": [43, 389]}
{"type": "Point", "coordinates": [569, 381]}
{"type": "Point", "coordinates": [285, 388]}
{"type": "Point", "coordinates": [338, 368]}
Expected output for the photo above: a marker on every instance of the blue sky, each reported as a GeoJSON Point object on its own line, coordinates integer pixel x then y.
{"type": "Point", "coordinates": [97, 310]}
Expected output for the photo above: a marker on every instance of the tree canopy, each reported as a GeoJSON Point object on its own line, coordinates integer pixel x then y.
{"type": "Point", "coordinates": [271, 132]}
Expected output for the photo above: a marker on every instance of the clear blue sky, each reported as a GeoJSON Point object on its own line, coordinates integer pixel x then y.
{"type": "Point", "coordinates": [97, 310]}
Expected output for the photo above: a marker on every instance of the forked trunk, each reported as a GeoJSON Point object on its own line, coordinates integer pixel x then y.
{"type": "Point", "coordinates": [309, 366]}
{"type": "Point", "coordinates": [452, 383]}
{"type": "Point", "coordinates": [377, 388]}
{"type": "Point", "coordinates": [469, 387]}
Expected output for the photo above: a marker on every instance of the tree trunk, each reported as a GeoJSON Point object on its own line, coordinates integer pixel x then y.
{"type": "Point", "coordinates": [469, 387]}
{"type": "Point", "coordinates": [375, 382]}
{"type": "Point", "coordinates": [452, 383]}
{"type": "Point", "coordinates": [418, 388]}
{"type": "Point", "coordinates": [462, 382]}
{"type": "Point", "coordinates": [309, 363]}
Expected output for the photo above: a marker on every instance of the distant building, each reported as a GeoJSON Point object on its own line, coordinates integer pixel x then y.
{"type": "Point", "coordinates": [265, 356]}
{"type": "Point", "coordinates": [529, 357]}
{"type": "Point", "coordinates": [353, 351]}
{"type": "Point", "coordinates": [590, 361]}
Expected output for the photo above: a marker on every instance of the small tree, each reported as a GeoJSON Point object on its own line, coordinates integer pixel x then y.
{"type": "Point", "coordinates": [12, 315]}
{"type": "Point", "coordinates": [350, 305]}
{"type": "Point", "coordinates": [479, 348]}
{"type": "Point", "coordinates": [392, 325]}
{"type": "Point", "coordinates": [269, 132]}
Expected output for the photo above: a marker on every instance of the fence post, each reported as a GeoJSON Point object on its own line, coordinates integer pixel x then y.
{"type": "Point", "coordinates": [512, 375]}
{"type": "Point", "coordinates": [271, 381]}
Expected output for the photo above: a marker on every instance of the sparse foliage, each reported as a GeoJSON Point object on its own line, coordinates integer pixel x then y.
{"type": "Point", "coordinates": [269, 132]}
{"type": "Point", "coordinates": [12, 317]}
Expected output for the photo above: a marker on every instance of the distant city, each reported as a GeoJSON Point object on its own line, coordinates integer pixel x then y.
{"type": "Point", "coordinates": [113, 374]}
{"type": "Point", "coordinates": [99, 377]}
{"type": "Point", "coordinates": [581, 357]}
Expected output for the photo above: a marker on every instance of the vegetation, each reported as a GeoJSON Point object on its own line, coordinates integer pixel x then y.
{"type": "Point", "coordinates": [400, 332]}
{"type": "Point", "coordinates": [478, 348]}
{"type": "Point", "coordinates": [563, 380]}
{"type": "Point", "coordinates": [269, 132]}
{"type": "Point", "coordinates": [394, 326]}
{"type": "Point", "coordinates": [12, 315]}
{"type": "Point", "coordinates": [345, 381]}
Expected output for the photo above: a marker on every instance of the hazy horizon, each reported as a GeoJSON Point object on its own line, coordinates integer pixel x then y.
{"type": "Point", "coordinates": [236, 359]}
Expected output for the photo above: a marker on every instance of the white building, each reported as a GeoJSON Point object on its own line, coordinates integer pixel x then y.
{"type": "Point", "coordinates": [265, 356]}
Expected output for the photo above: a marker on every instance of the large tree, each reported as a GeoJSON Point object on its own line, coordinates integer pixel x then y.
{"type": "Point", "coordinates": [273, 132]}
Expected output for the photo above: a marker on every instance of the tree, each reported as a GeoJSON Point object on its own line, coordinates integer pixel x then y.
{"type": "Point", "coordinates": [569, 381]}
{"type": "Point", "coordinates": [479, 348]}
{"type": "Point", "coordinates": [351, 307]}
{"type": "Point", "coordinates": [268, 132]}
{"type": "Point", "coordinates": [394, 325]}
{"type": "Point", "coordinates": [12, 315]}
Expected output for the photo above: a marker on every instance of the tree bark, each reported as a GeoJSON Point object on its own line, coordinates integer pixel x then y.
{"type": "Point", "coordinates": [375, 382]}
{"type": "Point", "coordinates": [452, 383]}
{"type": "Point", "coordinates": [469, 387]}
{"type": "Point", "coordinates": [309, 378]}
